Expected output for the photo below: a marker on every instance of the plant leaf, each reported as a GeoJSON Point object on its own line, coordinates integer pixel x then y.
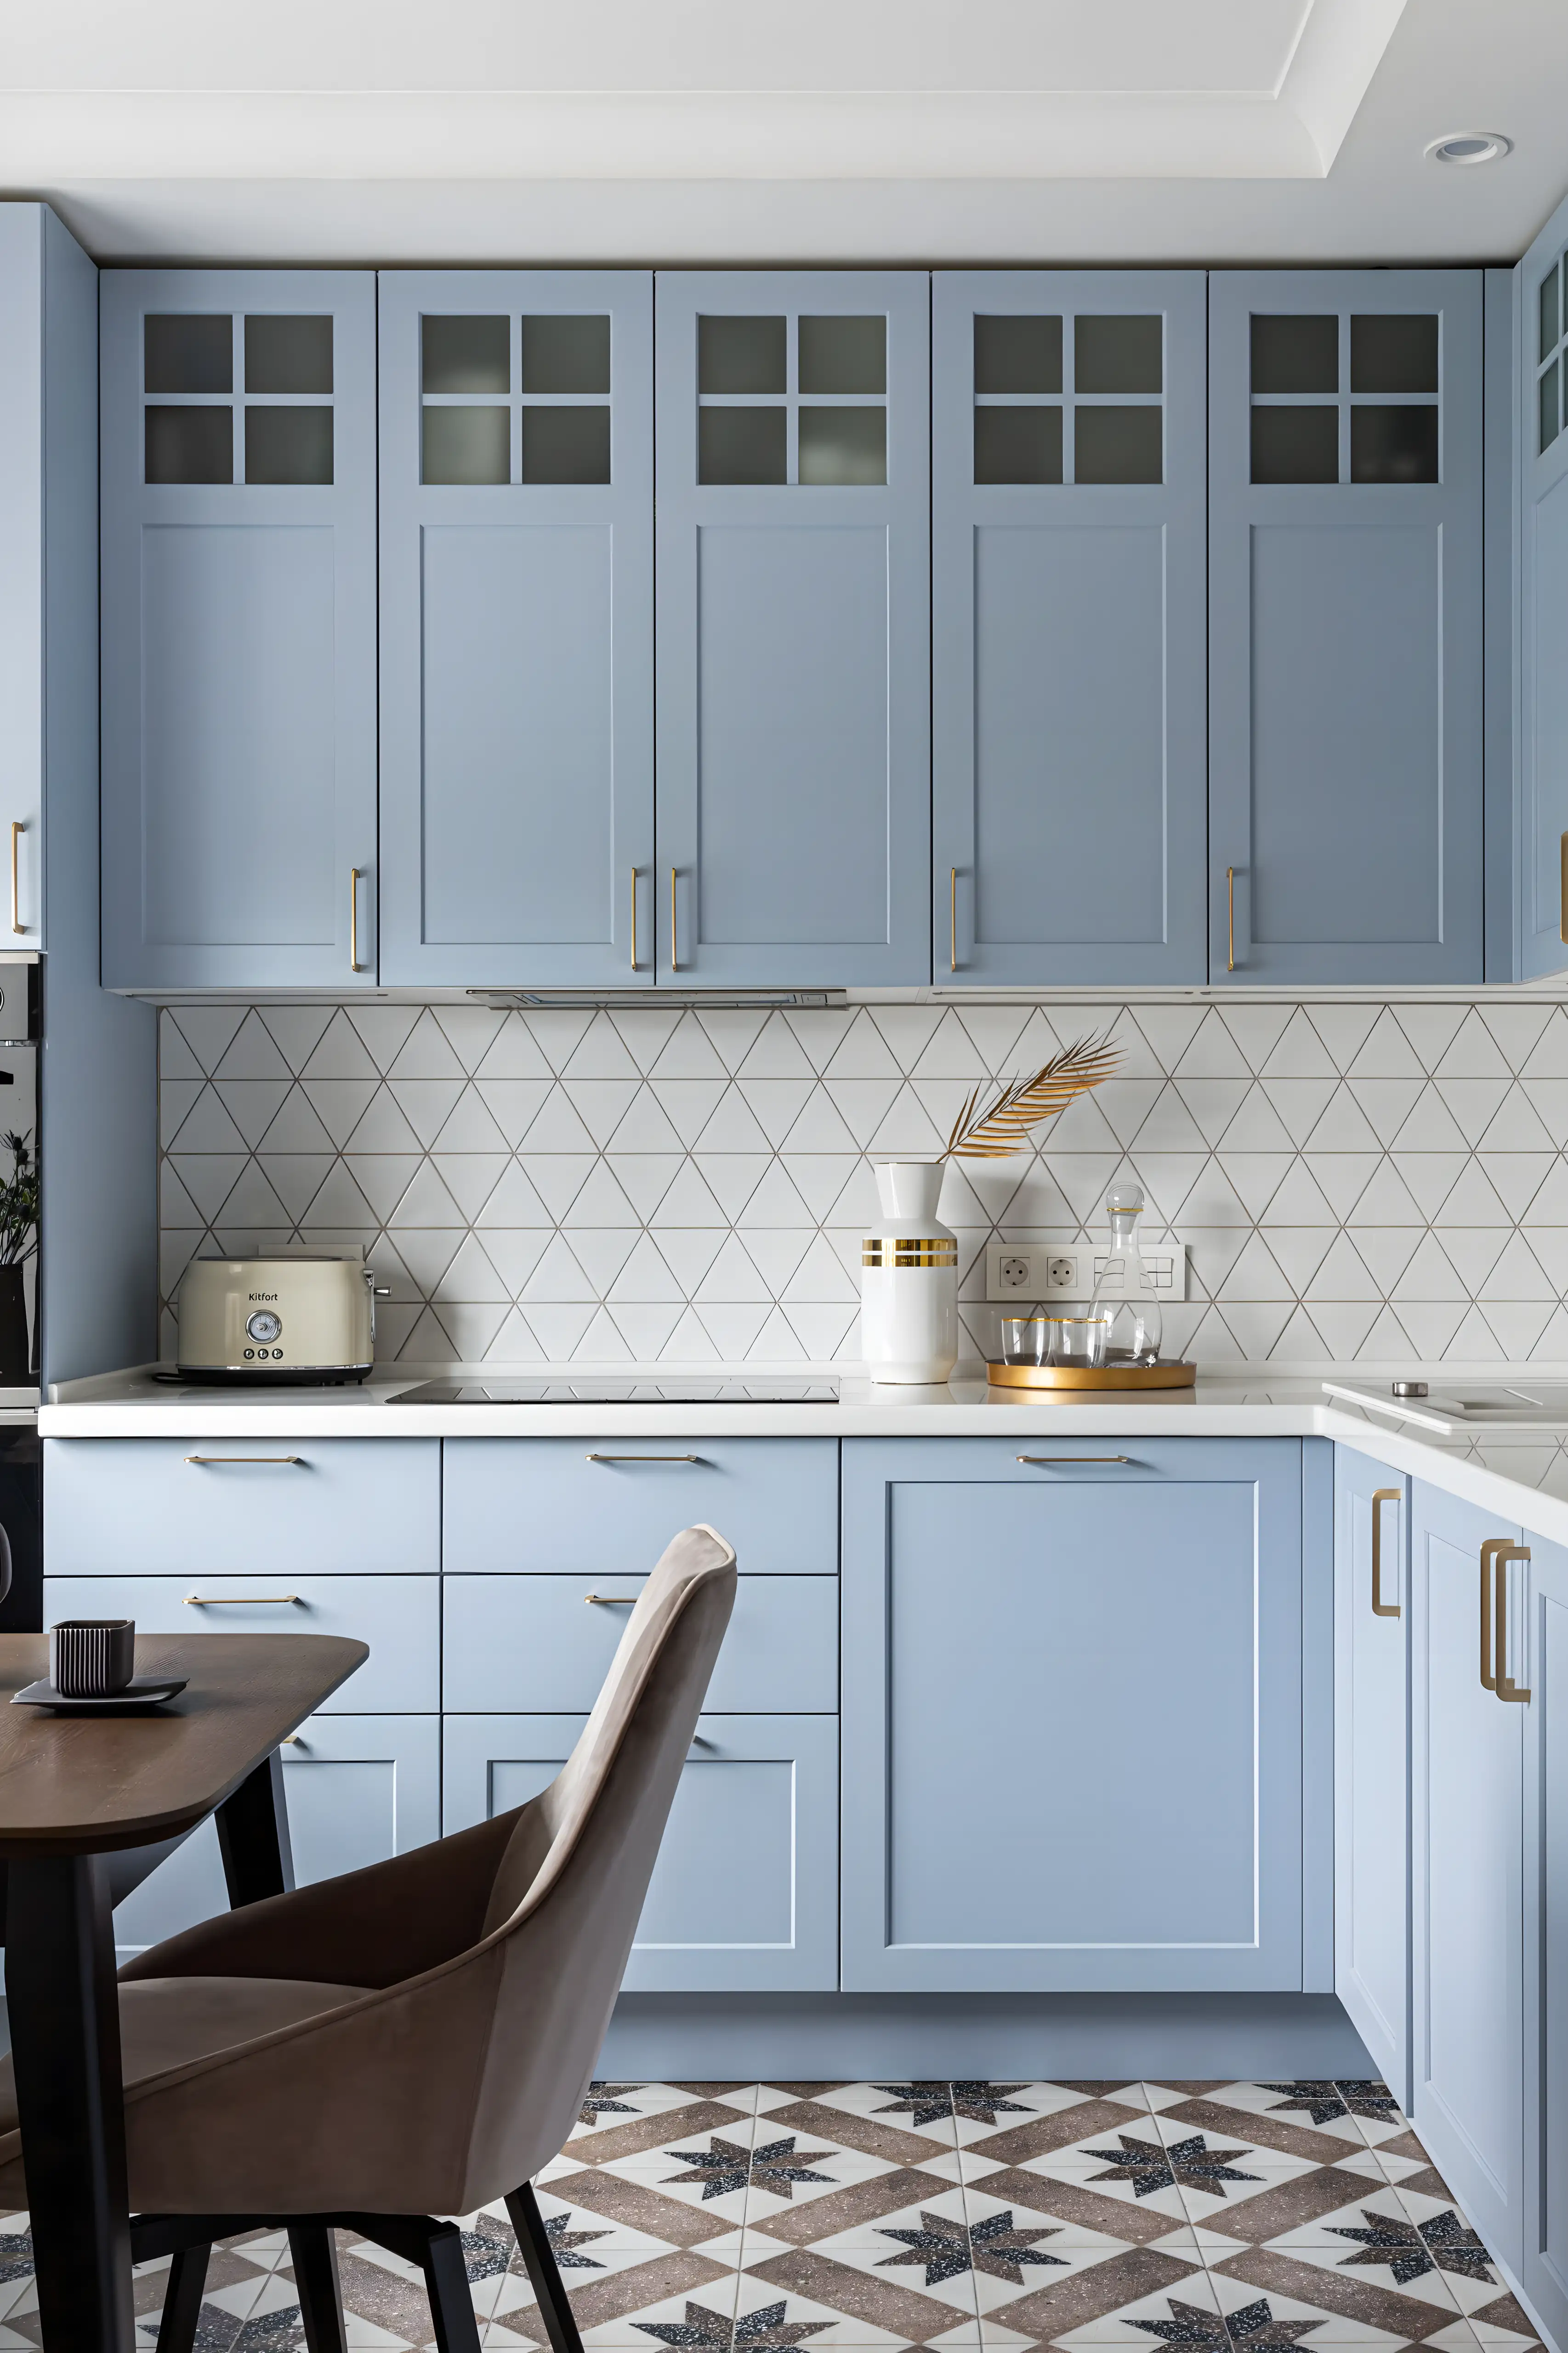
{"type": "Point", "coordinates": [1023, 1104]}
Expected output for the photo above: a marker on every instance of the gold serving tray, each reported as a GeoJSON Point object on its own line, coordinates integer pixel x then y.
{"type": "Point", "coordinates": [1165, 1375]}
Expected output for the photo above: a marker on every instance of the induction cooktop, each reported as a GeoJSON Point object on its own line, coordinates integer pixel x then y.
{"type": "Point", "coordinates": [625, 1390]}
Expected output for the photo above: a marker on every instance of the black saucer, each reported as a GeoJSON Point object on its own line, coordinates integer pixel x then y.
{"type": "Point", "coordinates": [142, 1692]}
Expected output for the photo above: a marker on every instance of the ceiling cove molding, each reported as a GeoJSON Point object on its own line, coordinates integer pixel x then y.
{"type": "Point", "coordinates": [1292, 132]}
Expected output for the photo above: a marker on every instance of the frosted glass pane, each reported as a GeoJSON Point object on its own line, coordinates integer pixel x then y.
{"type": "Point", "coordinates": [288, 354]}
{"type": "Point", "coordinates": [288, 445]}
{"type": "Point", "coordinates": [466, 444]}
{"type": "Point", "coordinates": [188, 352]}
{"type": "Point", "coordinates": [742, 445]}
{"type": "Point", "coordinates": [1295, 445]}
{"type": "Point", "coordinates": [1546, 395]}
{"type": "Point", "coordinates": [1017, 445]}
{"type": "Point", "coordinates": [846, 446]}
{"type": "Point", "coordinates": [565, 354]}
{"type": "Point", "coordinates": [1550, 312]}
{"type": "Point", "coordinates": [1394, 445]}
{"type": "Point", "coordinates": [1021, 354]}
{"type": "Point", "coordinates": [190, 445]}
{"type": "Point", "coordinates": [1394, 355]}
{"type": "Point", "coordinates": [741, 354]}
{"type": "Point", "coordinates": [843, 355]}
{"type": "Point", "coordinates": [1295, 354]}
{"type": "Point", "coordinates": [1119, 354]}
{"type": "Point", "coordinates": [466, 355]}
{"type": "Point", "coordinates": [566, 445]}
{"type": "Point", "coordinates": [1118, 445]}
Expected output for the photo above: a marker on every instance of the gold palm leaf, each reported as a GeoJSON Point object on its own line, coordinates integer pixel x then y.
{"type": "Point", "coordinates": [1022, 1103]}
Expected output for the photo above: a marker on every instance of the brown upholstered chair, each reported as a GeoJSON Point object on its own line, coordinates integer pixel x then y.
{"type": "Point", "coordinates": [414, 2040]}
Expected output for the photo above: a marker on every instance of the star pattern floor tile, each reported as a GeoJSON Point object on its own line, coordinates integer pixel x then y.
{"type": "Point", "coordinates": [1005, 2217]}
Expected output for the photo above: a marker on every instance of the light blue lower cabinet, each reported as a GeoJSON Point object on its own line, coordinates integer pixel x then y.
{"type": "Point", "coordinates": [1372, 1760]}
{"type": "Point", "coordinates": [1543, 1669]}
{"type": "Point", "coordinates": [399, 1616]}
{"type": "Point", "coordinates": [1072, 1716]}
{"type": "Point", "coordinates": [1466, 1757]}
{"type": "Point", "coordinates": [359, 1788]}
{"type": "Point", "coordinates": [524, 1644]}
{"type": "Point", "coordinates": [744, 1895]}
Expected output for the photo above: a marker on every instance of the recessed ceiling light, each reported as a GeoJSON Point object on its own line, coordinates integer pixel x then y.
{"type": "Point", "coordinates": [1470, 147]}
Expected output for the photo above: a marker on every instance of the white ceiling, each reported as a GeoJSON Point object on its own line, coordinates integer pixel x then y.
{"type": "Point", "coordinates": [704, 130]}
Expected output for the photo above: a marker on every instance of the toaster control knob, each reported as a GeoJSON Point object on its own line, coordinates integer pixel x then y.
{"type": "Point", "coordinates": [264, 1324]}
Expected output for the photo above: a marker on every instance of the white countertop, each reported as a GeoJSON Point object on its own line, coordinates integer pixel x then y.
{"type": "Point", "coordinates": [1521, 1476]}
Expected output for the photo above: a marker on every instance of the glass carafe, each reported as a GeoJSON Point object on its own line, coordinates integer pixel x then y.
{"type": "Point", "coordinates": [1124, 1292]}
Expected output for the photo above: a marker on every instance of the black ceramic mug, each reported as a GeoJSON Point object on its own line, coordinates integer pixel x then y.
{"type": "Point", "coordinates": [92, 1658]}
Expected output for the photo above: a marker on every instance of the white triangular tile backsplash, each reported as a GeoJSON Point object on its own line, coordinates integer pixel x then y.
{"type": "Point", "coordinates": [1357, 1182]}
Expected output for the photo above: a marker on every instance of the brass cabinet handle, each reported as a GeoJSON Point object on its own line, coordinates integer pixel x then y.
{"type": "Point", "coordinates": [238, 1601]}
{"type": "Point", "coordinates": [293, 1740]}
{"type": "Point", "coordinates": [1230, 917]}
{"type": "Point", "coordinates": [245, 1457]}
{"type": "Point", "coordinates": [17, 831]}
{"type": "Point", "coordinates": [354, 873]}
{"type": "Point", "coordinates": [613, 1601]}
{"type": "Point", "coordinates": [1072, 1458]}
{"type": "Point", "coordinates": [1493, 1544]}
{"type": "Point", "coordinates": [642, 1458]}
{"type": "Point", "coordinates": [633, 919]}
{"type": "Point", "coordinates": [1561, 891]}
{"type": "Point", "coordinates": [674, 936]}
{"type": "Point", "coordinates": [1380, 1608]}
{"type": "Point", "coordinates": [1504, 1685]}
{"type": "Point", "coordinates": [953, 913]}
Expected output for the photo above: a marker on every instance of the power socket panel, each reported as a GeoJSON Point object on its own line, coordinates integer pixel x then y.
{"type": "Point", "coordinates": [1032, 1272]}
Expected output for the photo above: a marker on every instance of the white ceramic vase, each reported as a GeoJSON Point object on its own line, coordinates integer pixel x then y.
{"type": "Point", "coordinates": [908, 1279]}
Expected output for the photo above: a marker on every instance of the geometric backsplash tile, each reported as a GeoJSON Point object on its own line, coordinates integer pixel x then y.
{"type": "Point", "coordinates": [1357, 1182]}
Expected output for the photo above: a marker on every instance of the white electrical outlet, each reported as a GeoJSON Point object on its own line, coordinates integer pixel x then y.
{"type": "Point", "coordinates": [1031, 1271]}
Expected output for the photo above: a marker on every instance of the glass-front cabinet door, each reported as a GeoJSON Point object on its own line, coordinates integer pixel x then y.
{"type": "Point", "coordinates": [1068, 483]}
{"type": "Point", "coordinates": [792, 628]}
{"type": "Point", "coordinates": [1541, 442]}
{"type": "Point", "coordinates": [238, 628]}
{"type": "Point", "coordinates": [517, 628]}
{"type": "Point", "coordinates": [1345, 644]}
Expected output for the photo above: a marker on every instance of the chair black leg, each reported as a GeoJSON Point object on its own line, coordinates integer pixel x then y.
{"type": "Point", "coordinates": [533, 2239]}
{"type": "Point", "coordinates": [314, 2253]}
{"type": "Point", "coordinates": [446, 2283]}
{"type": "Point", "coordinates": [182, 2300]}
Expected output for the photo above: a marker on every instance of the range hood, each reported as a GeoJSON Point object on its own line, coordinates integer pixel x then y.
{"type": "Point", "coordinates": [627, 1000]}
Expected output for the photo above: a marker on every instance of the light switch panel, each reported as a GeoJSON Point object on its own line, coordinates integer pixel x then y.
{"type": "Point", "coordinates": [1037, 1271]}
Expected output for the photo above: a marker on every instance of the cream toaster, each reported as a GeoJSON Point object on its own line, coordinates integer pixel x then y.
{"type": "Point", "coordinates": [299, 1315]}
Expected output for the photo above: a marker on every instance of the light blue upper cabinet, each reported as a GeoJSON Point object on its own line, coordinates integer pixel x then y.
{"type": "Point", "coordinates": [1542, 444]}
{"type": "Point", "coordinates": [23, 231]}
{"type": "Point", "coordinates": [1345, 576]}
{"type": "Point", "coordinates": [238, 634]}
{"type": "Point", "coordinates": [793, 637]}
{"type": "Point", "coordinates": [1028, 1804]}
{"type": "Point", "coordinates": [517, 628]}
{"type": "Point", "coordinates": [1068, 518]}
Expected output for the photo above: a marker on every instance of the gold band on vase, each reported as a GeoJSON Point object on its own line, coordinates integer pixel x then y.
{"type": "Point", "coordinates": [914, 1251]}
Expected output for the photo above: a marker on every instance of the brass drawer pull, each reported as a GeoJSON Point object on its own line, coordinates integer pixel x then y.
{"type": "Point", "coordinates": [1230, 917]}
{"type": "Point", "coordinates": [633, 919]}
{"type": "Point", "coordinates": [1049, 1459]}
{"type": "Point", "coordinates": [17, 831]}
{"type": "Point", "coordinates": [642, 1458]}
{"type": "Point", "coordinates": [613, 1601]}
{"type": "Point", "coordinates": [1493, 1544]}
{"type": "Point", "coordinates": [952, 917]}
{"type": "Point", "coordinates": [1562, 893]}
{"type": "Point", "coordinates": [1380, 1608]}
{"type": "Point", "coordinates": [1504, 1685]}
{"type": "Point", "coordinates": [355, 964]}
{"type": "Point", "coordinates": [245, 1457]}
{"type": "Point", "coordinates": [293, 1740]}
{"type": "Point", "coordinates": [674, 934]}
{"type": "Point", "coordinates": [239, 1600]}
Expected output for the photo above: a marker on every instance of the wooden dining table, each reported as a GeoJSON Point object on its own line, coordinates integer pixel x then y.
{"type": "Point", "coordinates": [87, 1803]}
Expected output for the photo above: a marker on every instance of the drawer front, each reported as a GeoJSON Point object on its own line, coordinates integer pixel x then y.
{"type": "Point", "coordinates": [357, 1789]}
{"type": "Point", "coordinates": [399, 1616]}
{"type": "Point", "coordinates": [598, 1506]}
{"type": "Point", "coordinates": [744, 1895]}
{"type": "Point", "coordinates": [544, 1644]}
{"type": "Point", "coordinates": [147, 1506]}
